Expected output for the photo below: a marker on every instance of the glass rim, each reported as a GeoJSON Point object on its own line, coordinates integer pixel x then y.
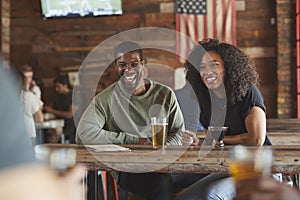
{"type": "Point", "coordinates": [218, 128]}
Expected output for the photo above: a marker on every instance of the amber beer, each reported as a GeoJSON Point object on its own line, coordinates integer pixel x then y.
{"type": "Point", "coordinates": [159, 128]}
{"type": "Point", "coordinates": [244, 170]}
{"type": "Point", "coordinates": [248, 163]}
{"type": "Point", "coordinates": [159, 134]}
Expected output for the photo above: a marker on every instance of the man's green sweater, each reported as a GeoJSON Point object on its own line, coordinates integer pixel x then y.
{"type": "Point", "coordinates": [115, 116]}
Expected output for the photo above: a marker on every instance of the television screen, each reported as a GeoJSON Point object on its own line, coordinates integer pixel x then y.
{"type": "Point", "coordinates": [80, 8]}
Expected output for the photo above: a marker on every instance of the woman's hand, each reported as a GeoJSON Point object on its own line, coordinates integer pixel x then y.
{"type": "Point", "coordinates": [190, 138]}
{"type": "Point", "coordinates": [32, 84]}
{"type": "Point", "coordinates": [48, 109]}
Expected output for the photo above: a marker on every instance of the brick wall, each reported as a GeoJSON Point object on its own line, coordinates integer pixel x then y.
{"type": "Point", "coordinates": [286, 71]}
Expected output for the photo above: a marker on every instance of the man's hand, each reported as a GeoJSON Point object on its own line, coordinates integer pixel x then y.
{"type": "Point", "coordinates": [145, 141]}
{"type": "Point", "coordinates": [190, 138]}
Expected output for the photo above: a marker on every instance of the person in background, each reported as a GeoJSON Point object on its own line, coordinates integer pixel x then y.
{"type": "Point", "coordinates": [121, 114]}
{"type": "Point", "coordinates": [63, 107]}
{"type": "Point", "coordinates": [266, 188]}
{"type": "Point", "coordinates": [191, 113]}
{"type": "Point", "coordinates": [21, 176]}
{"type": "Point", "coordinates": [189, 105]}
{"type": "Point", "coordinates": [29, 83]}
{"type": "Point", "coordinates": [31, 106]}
{"type": "Point", "coordinates": [224, 80]}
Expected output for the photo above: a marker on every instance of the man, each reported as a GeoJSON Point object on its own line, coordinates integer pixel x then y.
{"type": "Point", "coordinates": [63, 107]}
{"type": "Point", "coordinates": [121, 114]}
{"type": "Point", "coordinates": [30, 84]}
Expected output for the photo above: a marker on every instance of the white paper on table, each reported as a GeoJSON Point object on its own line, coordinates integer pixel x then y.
{"type": "Point", "coordinates": [106, 148]}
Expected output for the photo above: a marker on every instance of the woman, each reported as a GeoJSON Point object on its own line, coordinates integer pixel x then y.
{"type": "Point", "coordinates": [224, 80]}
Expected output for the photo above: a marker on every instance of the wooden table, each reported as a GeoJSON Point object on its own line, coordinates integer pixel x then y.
{"type": "Point", "coordinates": [284, 138]}
{"type": "Point", "coordinates": [177, 159]}
{"type": "Point", "coordinates": [277, 137]}
{"type": "Point", "coordinates": [286, 125]}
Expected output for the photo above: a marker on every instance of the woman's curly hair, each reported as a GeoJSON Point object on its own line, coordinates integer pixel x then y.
{"type": "Point", "coordinates": [240, 74]}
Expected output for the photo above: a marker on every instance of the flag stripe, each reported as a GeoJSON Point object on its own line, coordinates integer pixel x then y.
{"type": "Point", "coordinates": [233, 24]}
{"type": "Point", "coordinates": [215, 22]}
{"type": "Point", "coordinates": [224, 24]}
{"type": "Point", "coordinates": [178, 38]}
{"type": "Point", "coordinates": [196, 30]}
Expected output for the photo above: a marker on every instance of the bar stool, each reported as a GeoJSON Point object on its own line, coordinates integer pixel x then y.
{"type": "Point", "coordinates": [104, 176]}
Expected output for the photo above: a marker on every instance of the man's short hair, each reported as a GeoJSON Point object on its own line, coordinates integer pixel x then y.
{"type": "Point", "coordinates": [26, 68]}
{"type": "Point", "coordinates": [62, 79]}
{"type": "Point", "coordinates": [128, 47]}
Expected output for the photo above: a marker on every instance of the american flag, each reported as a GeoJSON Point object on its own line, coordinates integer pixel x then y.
{"type": "Point", "coordinates": [200, 19]}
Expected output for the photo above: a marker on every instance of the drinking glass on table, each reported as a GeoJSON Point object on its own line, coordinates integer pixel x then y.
{"type": "Point", "coordinates": [249, 163]}
{"type": "Point", "coordinates": [159, 127]}
{"type": "Point", "coordinates": [217, 133]}
{"type": "Point", "coordinates": [61, 159]}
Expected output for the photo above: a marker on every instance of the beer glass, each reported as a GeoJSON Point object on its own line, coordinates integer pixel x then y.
{"type": "Point", "coordinates": [159, 126]}
{"type": "Point", "coordinates": [247, 163]}
{"type": "Point", "coordinates": [61, 159]}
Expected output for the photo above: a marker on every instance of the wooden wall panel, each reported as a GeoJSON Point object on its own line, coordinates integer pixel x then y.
{"type": "Point", "coordinates": [258, 38]}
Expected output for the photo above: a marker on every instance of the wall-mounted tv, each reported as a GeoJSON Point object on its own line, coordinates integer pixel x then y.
{"type": "Point", "coordinates": [80, 8]}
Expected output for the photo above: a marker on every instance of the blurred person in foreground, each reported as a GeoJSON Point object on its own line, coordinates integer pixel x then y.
{"type": "Point", "coordinates": [21, 176]}
{"type": "Point", "coordinates": [224, 80]}
{"type": "Point", "coordinates": [266, 188]}
{"type": "Point", "coordinates": [121, 114]}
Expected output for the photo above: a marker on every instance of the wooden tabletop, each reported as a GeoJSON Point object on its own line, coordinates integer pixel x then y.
{"type": "Point", "coordinates": [176, 159]}
{"type": "Point", "coordinates": [279, 137]}
{"type": "Point", "coordinates": [287, 125]}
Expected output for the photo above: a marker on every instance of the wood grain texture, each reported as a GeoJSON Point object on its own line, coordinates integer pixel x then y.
{"type": "Point", "coordinates": [142, 158]}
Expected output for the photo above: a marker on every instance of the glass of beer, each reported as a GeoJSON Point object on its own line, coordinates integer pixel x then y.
{"type": "Point", "coordinates": [218, 133]}
{"type": "Point", "coordinates": [61, 159]}
{"type": "Point", "coordinates": [249, 163]}
{"type": "Point", "coordinates": [159, 126]}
